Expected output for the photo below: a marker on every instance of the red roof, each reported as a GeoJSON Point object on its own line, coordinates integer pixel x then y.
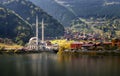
{"type": "Point", "coordinates": [87, 45]}
{"type": "Point", "coordinates": [107, 43]}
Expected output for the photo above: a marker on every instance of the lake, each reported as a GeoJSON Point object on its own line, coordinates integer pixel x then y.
{"type": "Point", "coordinates": [51, 64]}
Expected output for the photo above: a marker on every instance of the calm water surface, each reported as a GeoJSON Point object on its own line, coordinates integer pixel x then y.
{"type": "Point", "coordinates": [48, 64]}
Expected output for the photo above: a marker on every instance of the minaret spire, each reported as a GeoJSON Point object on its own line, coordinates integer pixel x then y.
{"type": "Point", "coordinates": [42, 30]}
{"type": "Point", "coordinates": [37, 33]}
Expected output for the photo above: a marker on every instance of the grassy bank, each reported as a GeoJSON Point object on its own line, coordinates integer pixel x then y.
{"type": "Point", "coordinates": [13, 46]}
{"type": "Point", "coordinates": [9, 48]}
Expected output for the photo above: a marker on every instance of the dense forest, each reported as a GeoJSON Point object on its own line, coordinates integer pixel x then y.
{"type": "Point", "coordinates": [27, 12]}
{"type": "Point", "coordinates": [14, 27]}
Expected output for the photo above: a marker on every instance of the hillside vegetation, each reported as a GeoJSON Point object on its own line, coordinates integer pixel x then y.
{"type": "Point", "coordinates": [14, 27]}
{"type": "Point", "coordinates": [28, 11]}
{"type": "Point", "coordinates": [18, 18]}
{"type": "Point", "coordinates": [67, 10]}
{"type": "Point", "coordinates": [103, 26]}
{"type": "Point", "coordinates": [59, 12]}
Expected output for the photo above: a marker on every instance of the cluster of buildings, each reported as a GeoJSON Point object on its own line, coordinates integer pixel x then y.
{"type": "Point", "coordinates": [91, 41]}
{"type": "Point", "coordinates": [82, 36]}
{"type": "Point", "coordinates": [95, 46]}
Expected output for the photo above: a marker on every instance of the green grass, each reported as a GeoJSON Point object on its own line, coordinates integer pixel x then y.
{"type": "Point", "coordinates": [9, 47]}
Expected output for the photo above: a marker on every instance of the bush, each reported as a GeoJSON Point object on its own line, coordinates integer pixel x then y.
{"type": "Point", "coordinates": [2, 48]}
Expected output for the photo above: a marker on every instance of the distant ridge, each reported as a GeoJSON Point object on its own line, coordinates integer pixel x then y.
{"type": "Point", "coordinates": [80, 8]}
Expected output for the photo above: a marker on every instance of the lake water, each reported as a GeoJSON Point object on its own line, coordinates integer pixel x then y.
{"type": "Point", "coordinates": [50, 64]}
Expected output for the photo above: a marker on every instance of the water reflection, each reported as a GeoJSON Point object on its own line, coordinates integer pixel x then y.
{"type": "Point", "coordinates": [91, 65]}
{"type": "Point", "coordinates": [48, 64]}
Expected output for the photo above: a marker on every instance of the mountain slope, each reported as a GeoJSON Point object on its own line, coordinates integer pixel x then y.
{"type": "Point", "coordinates": [14, 27]}
{"type": "Point", "coordinates": [102, 26]}
{"type": "Point", "coordinates": [96, 8]}
{"type": "Point", "coordinates": [61, 13]}
{"type": "Point", "coordinates": [80, 8]}
{"type": "Point", "coordinates": [28, 11]}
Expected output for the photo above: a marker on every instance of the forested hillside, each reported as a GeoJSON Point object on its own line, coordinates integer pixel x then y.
{"type": "Point", "coordinates": [27, 11]}
{"type": "Point", "coordinates": [80, 8]}
{"type": "Point", "coordinates": [14, 27]}
{"type": "Point", "coordinates": [103, 26]}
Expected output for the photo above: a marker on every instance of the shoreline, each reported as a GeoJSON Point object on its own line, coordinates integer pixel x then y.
{"type": "Point", "coordinates": [91, 53]}
{"type": "Point", "coordinates": [19, 52]}
{"type": "Point", "coordinates": [16, 49]}
{"type": "Point", "coordinates": [23, 51]}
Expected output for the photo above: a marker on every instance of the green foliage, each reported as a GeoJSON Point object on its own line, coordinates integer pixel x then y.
{"type": "Point", "coordinates": [111, 26]}
{"type": "Point", "coordinates": [12, 26]}
{"type": "Point", "coordinates": [61, 13]}
{"type": "Point", "coordinates": [18, 18]}
{"type": "Point", "coordinates": [104, 26]}
{"type": "Point", "coordinates": [80, 8]}
{"type": "Point", "coordinates": [2, 48]}
{"type": "Point", "coordinates": [80, 26]}
{"type": "Point", "coordinates": [28, 11]}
